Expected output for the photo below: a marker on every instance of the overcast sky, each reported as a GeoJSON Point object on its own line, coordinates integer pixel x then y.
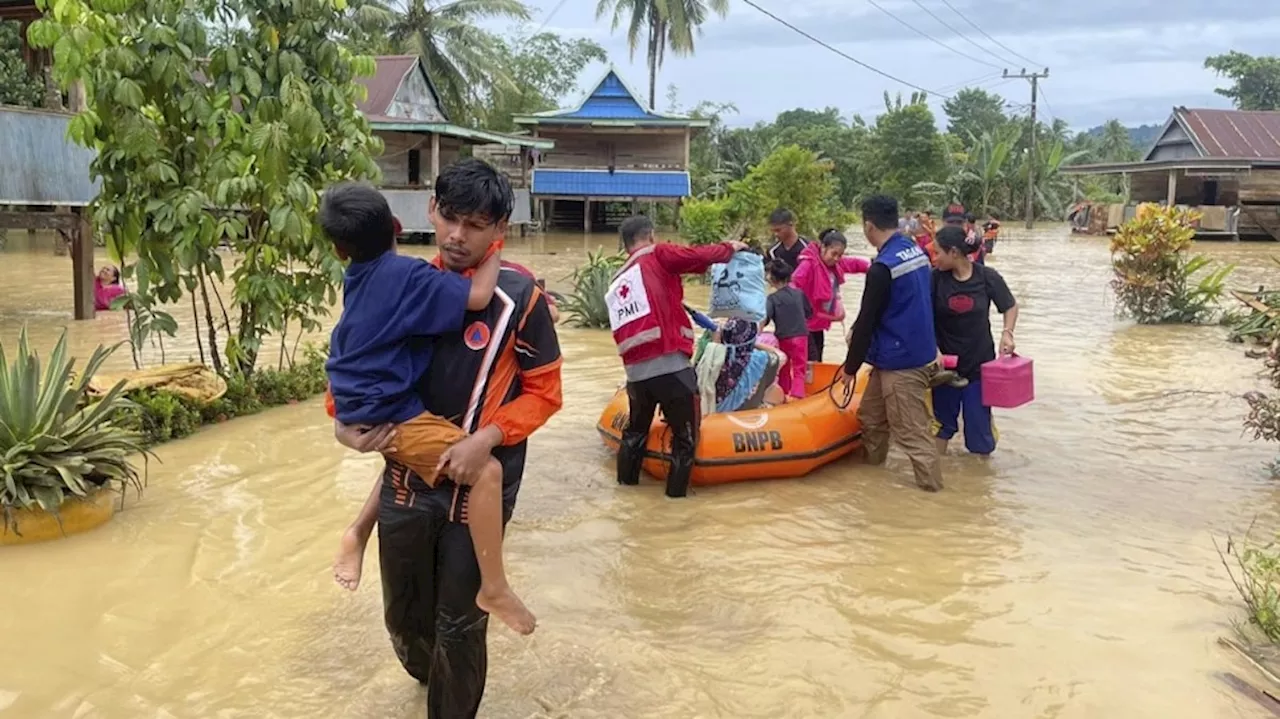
{"type": "Point", "coordinates": [1131, 59]}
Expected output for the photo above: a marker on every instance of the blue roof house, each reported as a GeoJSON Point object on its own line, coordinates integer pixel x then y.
{"type": "Point", "coordinates": [611, 148]}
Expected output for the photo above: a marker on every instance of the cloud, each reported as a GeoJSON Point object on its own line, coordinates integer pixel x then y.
{"type": "Point", "coordinates": [1132, 59]}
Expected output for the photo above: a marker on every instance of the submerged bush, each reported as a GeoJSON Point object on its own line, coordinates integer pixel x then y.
{"type": "Point", "coordinates": [585, 305]}
{"type": "Point", "coordinates": [1153, 270]}
{"type": "Point", "coordinates": [1256, 577]}
{"type": "Point", "coordinates": [159, 415]}
{"type": "Point", "coordinates": [56, 442]}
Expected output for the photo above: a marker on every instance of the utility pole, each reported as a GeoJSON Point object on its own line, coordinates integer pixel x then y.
{"type": "Point", "coordinates": [1035, 78]}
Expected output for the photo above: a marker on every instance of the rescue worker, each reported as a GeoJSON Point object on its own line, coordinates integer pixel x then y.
{"type": "Point", "coordinates": [894, 333]}
{"type": "Point", "coordinates": [654, 338]}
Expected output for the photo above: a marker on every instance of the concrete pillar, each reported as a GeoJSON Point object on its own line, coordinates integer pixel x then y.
{"type": "Point", "coordinates": [82, 266]}
{"type": "Point", "coordinates": [1173, 187]}
{"type": "Point", "coordinates": [586, 214]}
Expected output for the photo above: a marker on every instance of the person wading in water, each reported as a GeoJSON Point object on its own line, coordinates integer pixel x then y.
{"type": "Point", "coordinates": [651, 329]}
{"type": "Point", "coordinates": [894, 334]}
{"type": "Point", "coordinates": [503, 384]}
{"type": "Point", "coordinates": [963, 293]}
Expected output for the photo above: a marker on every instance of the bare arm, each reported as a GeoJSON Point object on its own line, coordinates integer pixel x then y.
{"type": "Point", "coordinates": [484, 282]}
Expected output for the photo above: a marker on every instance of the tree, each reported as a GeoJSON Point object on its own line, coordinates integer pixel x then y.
{"type": "Point", "coordinates": [973, 112]}
{"type": "Point", "coordinates": [459, 55]}
{"type": "Point", "coordinates": [200, 144]}
{"type": "Point", "coordinates": [1115, 145]}
{"type": "Point", "coordinates": [543, 68]}
{"type": "Point", "coordinates": [907, 150]}
{"type": "Point", "coordinates": [662, 23]}
{"type": "Point", "coordinates": [1255, 80]}
{"type": "Point", "coordinates": [790, 177]}
{"type": "Point", "coordinates": [18, 86]}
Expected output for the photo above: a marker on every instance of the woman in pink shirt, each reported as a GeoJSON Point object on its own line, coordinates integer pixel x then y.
{"type": "Point", "coordinates": [819, 276]}
{"type": "Point", "coordinates": [106, 287]}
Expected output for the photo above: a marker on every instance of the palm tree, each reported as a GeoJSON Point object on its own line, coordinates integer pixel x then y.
{"type": "Point", "coordinates": [662, 24]}
{"type": "Point", "coordinates": [456, 51]}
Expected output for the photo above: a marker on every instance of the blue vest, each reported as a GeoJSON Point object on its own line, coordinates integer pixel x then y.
{"type": "Point", "coordinates": [905, 339]}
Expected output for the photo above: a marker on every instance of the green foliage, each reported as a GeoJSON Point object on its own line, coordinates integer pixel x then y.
{"type": "Point", "coordinates": [585, 305]}
{"type": "Point", "coordinates": [208, 139]}
{"type": "Point", "coordinates": [1256, 577]}
{"type": "Point", "coordinates": [1153, 271]}
{"type": "Point", "coordinates": [974, 112]}
{"type": "Point", "coordinates": [18, 86]}
{"type": "Point", "coordinates": [703, 222]}
{"type": "Point", "coordinates": [159, 416]}
{"type": "Point", "coordinates": [55, 441]}
{"type": "Point", "coordinates": [1255, 81]}
{"type": "Point", "coordinates": [790, 177]}
{"type": "Point", "coordinates": [542, 69]}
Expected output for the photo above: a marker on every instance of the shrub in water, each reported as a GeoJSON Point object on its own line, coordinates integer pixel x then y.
{"type": "Point", "coordinates": [1152, 269]}
{"type": "Point", "coordinates": [56, 441]}
{"type": "Point", "coordinates": [585, 306]}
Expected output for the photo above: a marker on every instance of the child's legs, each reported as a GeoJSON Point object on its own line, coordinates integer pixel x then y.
{"type": "Point", "coordinates": [368, 516]}
{"type": "Point", "coordinates": [483, 514]}
{"type": "Point", "coordinates": [797, 351]}
{"type": "Point", "coordinates": [421, 441]}
{"type": "Point", "coordinates": [979, 434]}
{"type": "Point", "coordinates": [946, 410]}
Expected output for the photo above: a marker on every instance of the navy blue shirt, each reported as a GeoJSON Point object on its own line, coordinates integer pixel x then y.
{"type": "Point", "coordinates": [391, 308]}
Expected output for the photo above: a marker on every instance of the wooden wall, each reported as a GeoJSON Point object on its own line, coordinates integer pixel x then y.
{"type": "Point", "coordinates": [653, 150]}
{"type": "Point", "coordinates": [1154, 187]}
{"type": "Point", "coordinates": [508, 160]}
{"type": "Point", "coordinates": [1260, 187]}
{"type": "Point", "coordinates": [394, 160]}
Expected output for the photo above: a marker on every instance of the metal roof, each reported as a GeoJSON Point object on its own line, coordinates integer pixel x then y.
{"type": "Point", "coordinates": [1233, 133]}
{"type": "Point", "coordinates": [386, 81]}
{"type": "Point", "coordinates": [611, 102]}
{"type": "Point", "coordinates": [1207, 164]}
{"type": "Point", "coordinates": [602, 183]}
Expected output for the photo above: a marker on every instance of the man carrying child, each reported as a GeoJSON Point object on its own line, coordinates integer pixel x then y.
{"type": "Point", "coordinates": [498, 380]}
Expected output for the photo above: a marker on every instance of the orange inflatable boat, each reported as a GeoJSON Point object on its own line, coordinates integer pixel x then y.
{"type": "Point", "coordinates": [781, 442]}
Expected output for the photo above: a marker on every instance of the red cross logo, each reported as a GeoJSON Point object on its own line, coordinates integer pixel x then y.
{"type": "Point", "coordinates": [624, 290]}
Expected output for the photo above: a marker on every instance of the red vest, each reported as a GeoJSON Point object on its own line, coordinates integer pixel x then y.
{"type": "Point", "coordinates": [646, 309]}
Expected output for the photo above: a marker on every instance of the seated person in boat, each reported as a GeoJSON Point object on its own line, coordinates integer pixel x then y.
{"type": "Point", "coordinates": [736, 372]}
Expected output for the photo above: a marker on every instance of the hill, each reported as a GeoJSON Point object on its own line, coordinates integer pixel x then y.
{"type": "Point", "coordinates": [1141, 136]}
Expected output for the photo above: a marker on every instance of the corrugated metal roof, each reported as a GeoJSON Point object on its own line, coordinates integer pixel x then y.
{"type": "Point", "coordinates": [1234, 133]}
{"type": "Point", "coordinates": [600, 183]}
{"type": "Point", "coordinates": [385, 82]}
{"type": "Point", "coordinates": [611, 100]}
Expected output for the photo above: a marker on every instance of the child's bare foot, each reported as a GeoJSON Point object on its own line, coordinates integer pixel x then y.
{"type": "Point", "coordinates": [347, 567]}
{"type": "Point", "coordinates": [505, 605]}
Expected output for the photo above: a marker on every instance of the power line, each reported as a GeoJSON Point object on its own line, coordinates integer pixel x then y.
{"type": "Point", "coordinates": [931, 38]}
{"type": "Point", "coordinates": [843, 54]}
{"type": "Point", "coordinates": [549, 15]}
{"type": "Point", "coordinates": [984, 34]}
{"type": "Point", "coordinates": [1048, 109]}
{"type": "Point", "coordinates": [965, 37]}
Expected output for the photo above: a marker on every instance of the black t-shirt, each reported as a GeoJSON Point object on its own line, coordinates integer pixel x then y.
{"type": "Point", "coordinates": [789, 310]}
{"type": "Point", "coordinates": [791, 256]}
{"type": "Point", "coordinates": [962, 316]}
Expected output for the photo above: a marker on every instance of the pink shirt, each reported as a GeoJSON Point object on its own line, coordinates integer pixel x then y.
{"type": "Point", "coordinates": [104, 294]}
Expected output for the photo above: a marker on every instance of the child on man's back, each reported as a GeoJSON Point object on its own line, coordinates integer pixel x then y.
{"type": "Point", "coordinates": [393, 305]}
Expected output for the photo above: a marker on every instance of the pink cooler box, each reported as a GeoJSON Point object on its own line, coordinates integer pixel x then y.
{"type": "Point", "coordinates": [1008, 382]}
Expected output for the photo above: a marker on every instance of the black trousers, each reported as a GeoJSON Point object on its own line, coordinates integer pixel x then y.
{"type": "Point", "coordinates": [816, 340]}
{"type": "Point", "coordinates": [430, 579]}
{"type": "Point", "coordinates": [677, 395]}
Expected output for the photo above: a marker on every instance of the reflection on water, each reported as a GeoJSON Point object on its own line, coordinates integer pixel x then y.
{"type": "Point", "coordinates": [1071, 575]}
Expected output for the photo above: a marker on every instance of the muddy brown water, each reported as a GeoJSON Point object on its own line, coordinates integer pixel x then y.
{"type": "Point", "coordinates": [1071, 575]}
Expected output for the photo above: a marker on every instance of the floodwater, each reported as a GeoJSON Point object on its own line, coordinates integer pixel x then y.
{"type": "Point", "coordinates": [1071, 575]}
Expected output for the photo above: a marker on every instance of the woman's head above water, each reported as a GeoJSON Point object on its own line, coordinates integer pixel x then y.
{"type": "Point", "coordinates": [954, 248]}
{"type": "Point", "coordinates": [833, 244]}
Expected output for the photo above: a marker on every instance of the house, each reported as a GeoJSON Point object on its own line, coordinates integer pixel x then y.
{"type": "Point", "coordinates": [611, 152]}
{"type": "Point", "coordinates": [404, 109]}
{"type": "Point", "coordinates": [1225, 163]}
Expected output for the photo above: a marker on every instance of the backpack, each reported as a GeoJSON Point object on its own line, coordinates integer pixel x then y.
{"type": "Point", "coordinates": [738, 287]}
